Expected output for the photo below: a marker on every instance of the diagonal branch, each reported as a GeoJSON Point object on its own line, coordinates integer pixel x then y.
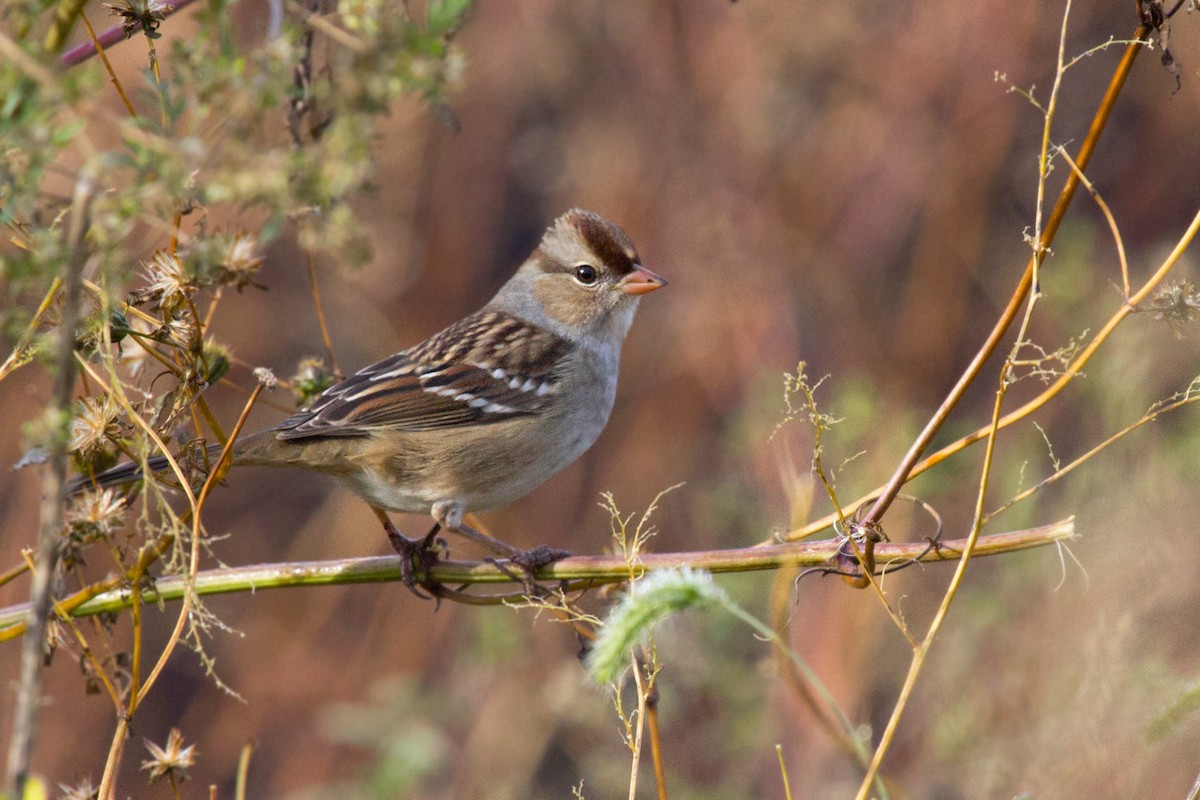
{"type": "Point", "coordinates": [112, 36]}
{"type": "Point", "coordinates": [904, 470]}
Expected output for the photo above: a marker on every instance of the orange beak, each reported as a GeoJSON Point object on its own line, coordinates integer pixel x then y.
{"type": "Point", "coordinates": [641, 281]}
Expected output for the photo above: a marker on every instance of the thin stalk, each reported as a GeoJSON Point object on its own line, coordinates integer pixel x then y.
{"type": "Point", "coordinates": [14, 359]}
{"type": "Point", "coordinates": [919, 655]}
{"type": "Point", "coordinates": [14, 573]}
{"type": "Point", "coordinates": [1186, 398]}
{"type": "Point", "coordinates": [243, 771]}
{"type": "Point", "coordinates": [787, 786]}
{"type": "Point", "coordinates": [29, 687]}
{"type": "Point", "coordinates": [656, 755]}
{"type": "Point", "coordinates": [1108, 216]}
{"type": "Point", "coordinates": [320, 309]}
{"type": "Point", "coordinates": [112, 75]}
{"type": "Point", "coordinates": [636, 745]}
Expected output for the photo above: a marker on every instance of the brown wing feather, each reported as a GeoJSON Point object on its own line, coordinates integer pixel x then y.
{"type": "Point", "coordinates": [485, 368]}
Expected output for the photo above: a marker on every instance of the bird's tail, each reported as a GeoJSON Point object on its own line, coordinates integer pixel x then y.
{"type": "Point", "coordinates": [130, 472]}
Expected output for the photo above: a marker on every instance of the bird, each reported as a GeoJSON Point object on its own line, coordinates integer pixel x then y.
{"type": "Point", "coordinates": [479, 414]}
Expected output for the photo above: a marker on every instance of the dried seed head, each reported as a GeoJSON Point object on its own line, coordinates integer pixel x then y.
{"type": "Point", "coordinates": [1177, 303]}
{"type": "Point", "coordinates": [169, 282]}
{"type": "Point", "coordinates": [240, 263]}
{"type": "Point", "coordinates": [173, 760]}
{"type": "Point", "coordinates": [84, 790]}
{"type": "Point", "coordinates": [144, 14]}
{"type": "Point", "coordinates": [97, 513]}
{"type": "Point", "coordinates": [94, 422]}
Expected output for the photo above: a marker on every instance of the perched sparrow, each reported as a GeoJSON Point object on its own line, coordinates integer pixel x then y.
{"type": "Point", "coordinates": [483, 412]}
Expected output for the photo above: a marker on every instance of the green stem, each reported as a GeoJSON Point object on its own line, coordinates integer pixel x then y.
{"type": "Point", "coordinates": [579, 572]}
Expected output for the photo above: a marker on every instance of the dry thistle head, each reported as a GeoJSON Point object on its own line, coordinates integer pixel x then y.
{"type": "Point", "coordinates": [91, 517]}
{"type": "Point", "coordinates": [172, 761]}
{"type": "Point", "coordinates": [240, 263]}
{"type": "Point", "coordinates": [1177, 303]}
{"type": "Point", "coordinates": [84, 790]}
{"type": "Point", "coordinates": [169, 283]}
{"type": "Point", "coordinates": [176, 330]}
{"type": "Point", "coordinates": [144, 13]}
{"type": "Point", "coordinates": [94, 423]}
{"type": "Point", "coordinates": [96, 514]}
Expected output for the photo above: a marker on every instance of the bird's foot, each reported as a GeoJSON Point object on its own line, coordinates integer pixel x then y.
{"type": "Point", "coordinates": [528, 562]}
{"type": "Point", "coordinates": [423, 553]}
{"type": "Point", "coordinates": [449, 514]}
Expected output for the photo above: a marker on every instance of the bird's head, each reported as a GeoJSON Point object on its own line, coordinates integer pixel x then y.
{"type": "Point", "coordinates": [585, 277]}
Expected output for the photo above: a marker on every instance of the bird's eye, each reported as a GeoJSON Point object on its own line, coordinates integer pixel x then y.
{"type": "Point", "coordinates": [585, 274]}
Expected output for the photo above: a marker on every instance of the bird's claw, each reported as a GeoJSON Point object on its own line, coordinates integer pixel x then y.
{"type": "Point", "coordinates": [528, 562]}
{"type": "Point", "coordinates": [421, 552]}
{"type": "Point", "coordinates": [541, 556]}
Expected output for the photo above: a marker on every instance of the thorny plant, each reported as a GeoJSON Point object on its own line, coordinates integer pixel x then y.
{"type": "Point", "coordinates": [145, 359]}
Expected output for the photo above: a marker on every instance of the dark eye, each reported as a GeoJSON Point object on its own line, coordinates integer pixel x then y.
{"type": "Point", "coordinates": [585, 274]}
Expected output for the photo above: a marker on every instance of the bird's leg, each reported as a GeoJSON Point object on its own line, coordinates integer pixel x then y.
{"type": "Point", "coordinates": [421, 549]}
{"type": "Point", "coordinates": [450, 515]}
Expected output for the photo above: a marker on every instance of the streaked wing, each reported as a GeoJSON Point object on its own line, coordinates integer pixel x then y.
{"type": "Point", "coordinates": [485, 368]}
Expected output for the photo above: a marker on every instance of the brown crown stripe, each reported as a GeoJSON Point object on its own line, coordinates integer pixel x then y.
{"type": "Point", "coordinates": [611, 245]}
{"type": "Point", "coordinates": [606, 240]}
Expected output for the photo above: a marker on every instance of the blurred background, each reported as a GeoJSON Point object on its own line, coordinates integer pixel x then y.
{"type": "Point", "coordinates": [845, 184]}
